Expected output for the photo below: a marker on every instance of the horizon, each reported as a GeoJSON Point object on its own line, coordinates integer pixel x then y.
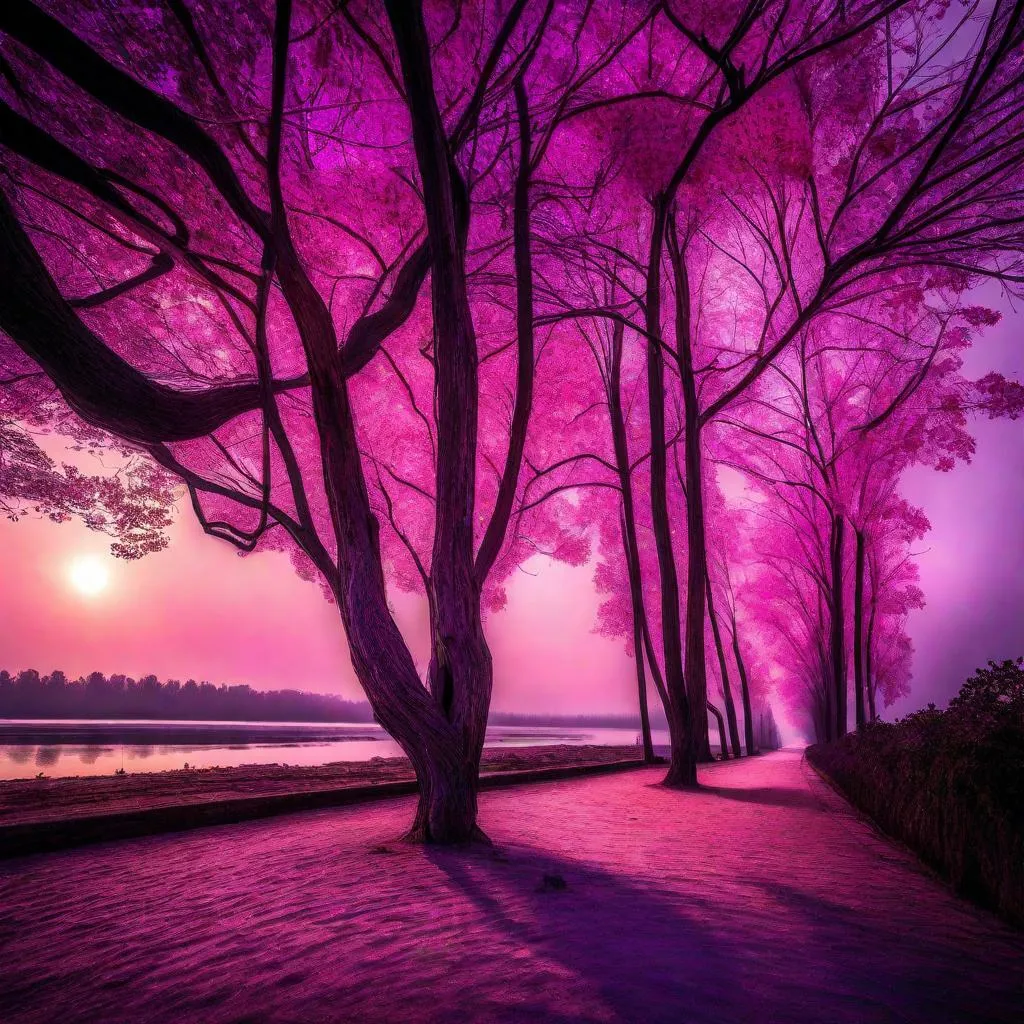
{"type": "Point", "coordinates": [183, 603]}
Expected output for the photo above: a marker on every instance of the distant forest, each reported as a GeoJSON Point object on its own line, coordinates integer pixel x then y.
{"type": "Point", "coordinates": [28, 694]}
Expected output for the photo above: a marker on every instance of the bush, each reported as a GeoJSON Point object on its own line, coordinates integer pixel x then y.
{"type": "Point", "coordinates": [950, 784]}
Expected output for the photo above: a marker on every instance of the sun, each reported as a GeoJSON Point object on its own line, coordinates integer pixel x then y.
{"type": "Point", "coordinates": [89, 575]}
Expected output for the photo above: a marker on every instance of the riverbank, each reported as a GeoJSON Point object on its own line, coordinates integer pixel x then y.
{"type": "Point", "coordinates": [47, 814]}
{"type": "Point", "coordinates": [760, 897]}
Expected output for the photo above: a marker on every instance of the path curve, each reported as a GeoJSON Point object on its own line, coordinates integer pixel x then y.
{"type": "Point", "coordinates": [761, 898]}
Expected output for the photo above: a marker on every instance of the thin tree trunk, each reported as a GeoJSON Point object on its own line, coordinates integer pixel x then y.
{"type": "Point", "coordinates": [724, 742]}
{"type": "Point", "coordinates": [858, 630]}
{"type": "Point", "coordinates": [635, 585]}
{"type": "Point", "coordinates": [494, 535]}
{"type": "Point", "coordinates": [748, 716]}
{"type": "Point", "coordinates": [837, 648]}
{"type": "Point", "coordinates": [695, 665]}
{"type": "Point", "coordinates": [630, 548]}
{"type": "Point", "coordinates": [730, 704]}
{"type": "Point", "coordinates": [869, 654]}
{"type": "Point", "coordinates": [682, 771]}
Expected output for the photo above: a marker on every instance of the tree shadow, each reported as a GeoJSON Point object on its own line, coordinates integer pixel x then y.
{"type": "Point", "coordinates": [883, 959]}
{"type": "Point", "coordinates": [644, 954]}
{"type": "Point", "coordinates": [773, 796]}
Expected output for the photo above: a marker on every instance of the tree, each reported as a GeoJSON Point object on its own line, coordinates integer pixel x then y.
{"type": "Point", "coordinates": [895, 170]}
{"type": "Point", "coordinates": [198, 320]}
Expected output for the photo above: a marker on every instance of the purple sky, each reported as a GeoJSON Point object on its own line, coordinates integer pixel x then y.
{"type": "Point", "coordinates": [972, 565]}
{"type": "Point", "coordinates": [199, 610]}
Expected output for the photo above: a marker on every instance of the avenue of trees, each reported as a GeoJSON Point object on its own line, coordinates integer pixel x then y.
{"type": "Point", "coordinates": [417, 291]}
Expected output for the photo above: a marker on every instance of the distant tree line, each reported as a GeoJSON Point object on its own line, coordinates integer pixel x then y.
{"type": "Point", "coordinates": [592, 721]}
{"type": "Point", "coordinates": [30, 695]}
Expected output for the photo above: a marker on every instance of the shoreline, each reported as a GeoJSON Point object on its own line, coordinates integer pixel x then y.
{"type": "Point", "coordinates": [38, 815]}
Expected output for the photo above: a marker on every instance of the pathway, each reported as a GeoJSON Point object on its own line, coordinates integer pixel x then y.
{"type": "Point", "coordinates": [761, 898]}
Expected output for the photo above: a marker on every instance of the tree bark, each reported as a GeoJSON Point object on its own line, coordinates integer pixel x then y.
{"type": "Point", "coordinates": [730, 704]}
{"type": "Point", "coordinates": [682, 771]}
{"type": "Point", "coordinates": [837, 647]}
{"type": "Point", "coordinates": [695, 665]}
{"type": "Point", "coordinates": [858, 631]}
{"type": "Point", "coordinates": [748, 714]}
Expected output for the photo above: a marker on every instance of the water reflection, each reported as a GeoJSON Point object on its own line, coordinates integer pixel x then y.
{"type": "Point", "coordinates": [47, 756]}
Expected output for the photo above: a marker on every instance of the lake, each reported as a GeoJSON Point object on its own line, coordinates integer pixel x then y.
{"type": "Point", "coordinates": [104, 747]}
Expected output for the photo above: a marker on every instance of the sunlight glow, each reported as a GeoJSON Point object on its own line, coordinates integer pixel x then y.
{"type": "Point", "coordinates": [89, 575]}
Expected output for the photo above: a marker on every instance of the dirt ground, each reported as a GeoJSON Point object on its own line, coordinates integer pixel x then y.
{"type": "Point", "coordinates": [36, 800]}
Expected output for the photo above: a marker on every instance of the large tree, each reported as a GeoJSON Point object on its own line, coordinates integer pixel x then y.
{"type": "Point", "coordinates": [211, 221]}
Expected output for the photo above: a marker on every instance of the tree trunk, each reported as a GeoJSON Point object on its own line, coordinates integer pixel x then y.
{"type": "Point", "coordinates": [635, 586]}
{"type": "Point", "coordinates": [869, 652]}
{"type": "Point", "coordinates": [460, 672]}
{"type": "Point", "coordinates": [447, 808]}
{"type": "Point", "coordinates": [628, 531]}
{"type": "Point", "coordinates": [641, 684]}
{"type": "Point", "coordinates": [682, 770]}
{"type": "Point", "coordinates": [837, 648]}
{"type": "Point", "coordinates": [522, 258]}
{"type": "Point", "coordinates": [748, 715]}
{"type": "Point", "coordinates": [723, 739]}
{"type": "Point", "coordinates": [858, 631]}
{"type": "Point", "coordinates": [695, 666]}
{"type": "Point", "coordinates": [730, 704]}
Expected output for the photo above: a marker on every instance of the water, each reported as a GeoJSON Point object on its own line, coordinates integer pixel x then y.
{"type": "Point", "coordinates": [58, 749]}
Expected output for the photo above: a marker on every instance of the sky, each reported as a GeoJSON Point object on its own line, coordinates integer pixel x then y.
{"type": "Point", "coordinates": [972, 561]}
{"type": "Point", "coordinates": [199, 610]}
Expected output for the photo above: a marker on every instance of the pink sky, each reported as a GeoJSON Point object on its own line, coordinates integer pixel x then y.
{"type": "Point", "coordinates": [198, 610]}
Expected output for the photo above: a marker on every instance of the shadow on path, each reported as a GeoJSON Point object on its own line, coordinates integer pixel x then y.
{"type": "Point", "coordinates": [775, 796]}
{"type": "Point", "coordinates": [660, 961]}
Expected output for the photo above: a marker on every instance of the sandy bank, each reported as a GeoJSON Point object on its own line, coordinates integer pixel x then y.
{"type": "Point", "coordinates": [42, 814]}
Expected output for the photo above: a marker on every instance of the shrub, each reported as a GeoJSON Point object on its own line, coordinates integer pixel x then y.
{"type": "Point", "coordinates": [950, 784]}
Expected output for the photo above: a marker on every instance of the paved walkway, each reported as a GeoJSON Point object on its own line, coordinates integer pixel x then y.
{"type": "Point", "coordinates": [761, 898]}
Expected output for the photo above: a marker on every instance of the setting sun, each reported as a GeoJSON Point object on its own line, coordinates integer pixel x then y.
{"type": "Point", "coordinates": [89, 575]}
